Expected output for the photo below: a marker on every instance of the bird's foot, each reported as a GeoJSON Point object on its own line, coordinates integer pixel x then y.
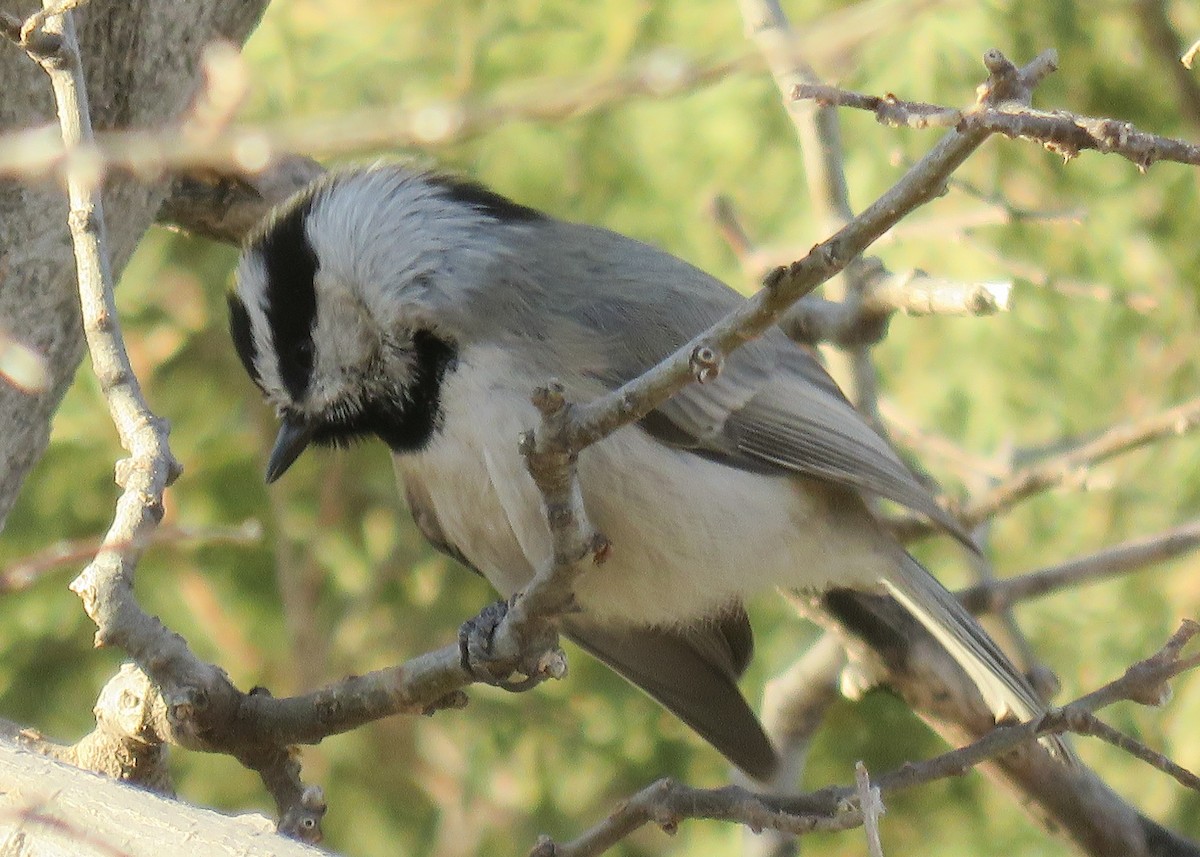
{"type": "Point", "coordinates": [480, 660]}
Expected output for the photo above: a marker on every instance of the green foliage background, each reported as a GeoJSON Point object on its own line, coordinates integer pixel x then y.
{"type": "Point", "coordinates": [1102, 331]}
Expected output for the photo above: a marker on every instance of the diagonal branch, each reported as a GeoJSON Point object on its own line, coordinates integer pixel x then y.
{"type": "Point", "coordinates": [1133, 555]}
{"type": "Point", "coordinates": [1063, 469]}
{"type": "Point", "coordinates": [566, 429]}
{"type": "Point", "coordinates": [667, 803]}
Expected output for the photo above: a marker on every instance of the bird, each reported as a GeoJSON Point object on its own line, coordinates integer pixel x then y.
{"type": "Point", "coordinates": [422, 308]}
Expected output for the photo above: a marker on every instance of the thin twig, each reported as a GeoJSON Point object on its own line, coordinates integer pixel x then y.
{"type": "Point", "coordinates": [667, 803]}
{"type": "Point", "coordinates": [25, 572]}
{"type": "Point", "coordinates": [1124, 558]}
{"type": "Point", "coordinates": [151, 468]}
{"type": "Point", "coordinates": [1089, 724]}
{"type": "Point", "coordinates": [1070, 467]}
{"type": "Point", "coordinates": [837, 808]}
{"type": "Point", "coordinates": [871, 806]}
{"type": "Point", "coordinates": [1067, 134]}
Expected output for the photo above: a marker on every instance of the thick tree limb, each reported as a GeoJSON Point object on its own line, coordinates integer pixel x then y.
{"type": "Point", "coordinates": [127, 743]}
{"type": "Point", "coordinates": [50, 809]}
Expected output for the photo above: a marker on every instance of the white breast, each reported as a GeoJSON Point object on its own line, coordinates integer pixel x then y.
{"type": "Point", "coordinates": [688, 535]}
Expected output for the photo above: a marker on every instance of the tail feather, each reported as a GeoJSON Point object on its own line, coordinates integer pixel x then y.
{"type": "Point", "coordinates": [1004, 689]}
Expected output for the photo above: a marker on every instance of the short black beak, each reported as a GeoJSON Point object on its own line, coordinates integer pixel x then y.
{"type": "Point", "coordinates": [292, 439]}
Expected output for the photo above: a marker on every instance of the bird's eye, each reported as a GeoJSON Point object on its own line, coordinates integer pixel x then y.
{"type": "Point", "coordinates": [304, 350]}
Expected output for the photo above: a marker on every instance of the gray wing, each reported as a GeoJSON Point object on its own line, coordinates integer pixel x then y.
{"type": "Point", "coordinates": [624, 306]}
{"type": "Point", "coordinates": [693, 672]}
{"type": "Point", "coordinates": [792, 417]}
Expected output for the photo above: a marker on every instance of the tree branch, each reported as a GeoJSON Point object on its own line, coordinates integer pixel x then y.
{"type": "Point", "coordinates": [1067, 468]}
{"type": "Point", "coordinates": [1129, 556]}
{"type": "Point", "coordinates": [838, 808]}
{"type": "Point", "coordinates": [106, 586]}
{"type": "Point", "coordinates": [863, 321]}
{"type": "Point", "coordinates": [566, 429]}
{"type": "Point", "coordinates": [1066, 134]}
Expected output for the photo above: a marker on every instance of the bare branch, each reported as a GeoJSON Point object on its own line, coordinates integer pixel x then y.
{"type": "Point", "coordinates": [888, 109]}
{"type": "Point", "coordinates": [871, 807]}
{"type": "Point", "coordinates": [106, 586]}
{"type": "Point", "coordinates": [1070, 467]}
{"type": "Point", "coordinates": [1133, 555]}
{"type": "Point", "coordinates": [1089, 724]}
{"type": "Point", "coordinates": [152, 467]}
{"type": "Point", "coordinates": [863, 320]}
{"type": "Point", "coordinates": [1059, 131]}
{"type": "Point", "coordinates": [814, 320]}
{"type": "Point", "coordinates": [837, 808]}
{"type": "Point", "coordinates": [667, 803]}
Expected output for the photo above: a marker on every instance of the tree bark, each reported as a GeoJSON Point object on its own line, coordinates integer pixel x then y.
{"type": "Point", "coordinates": [142, 62]}
{"type": "Point", "coordinates": [50, 809]}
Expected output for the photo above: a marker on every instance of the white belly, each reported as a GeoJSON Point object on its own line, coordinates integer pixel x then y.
{"type": "Point", "coordinates": [689, 536]}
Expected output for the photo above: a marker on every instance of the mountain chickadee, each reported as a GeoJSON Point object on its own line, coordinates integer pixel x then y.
{"type": "Point", "coordinates": [423, 309]}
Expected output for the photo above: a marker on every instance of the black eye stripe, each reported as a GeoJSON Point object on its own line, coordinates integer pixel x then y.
{"type": "Point", "coordinates": [243, 336]}
{"type": "Point", "coordinates": [291, 296]}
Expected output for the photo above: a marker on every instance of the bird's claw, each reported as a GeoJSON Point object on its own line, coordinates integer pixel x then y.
{"type": "Point", "coordinates": [476, 656]}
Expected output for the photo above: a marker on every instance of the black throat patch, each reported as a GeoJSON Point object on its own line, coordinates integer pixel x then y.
{"type": "Point", "coordinates": [405, 418]}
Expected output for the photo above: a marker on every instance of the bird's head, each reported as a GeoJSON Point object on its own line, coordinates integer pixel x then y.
{"type": "Point", "coordinates": [348, 307]}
